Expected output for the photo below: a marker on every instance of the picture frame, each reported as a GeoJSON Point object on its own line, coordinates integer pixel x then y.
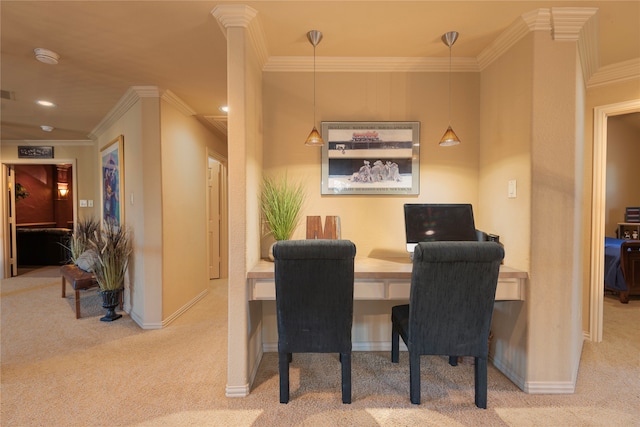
{"type": "Point", "coordinates": [112, 181]}
{"type": "Point", "coordinates": [371, 158]}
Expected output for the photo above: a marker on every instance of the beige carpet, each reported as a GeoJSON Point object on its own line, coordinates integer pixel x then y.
{"type": "Point", "coordinates": [59, 371]}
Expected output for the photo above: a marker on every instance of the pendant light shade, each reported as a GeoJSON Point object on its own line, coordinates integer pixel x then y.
{"type": "Point", "coordinates": [449, 138]}
{"type": "Point", "coordinates": [314, 139]}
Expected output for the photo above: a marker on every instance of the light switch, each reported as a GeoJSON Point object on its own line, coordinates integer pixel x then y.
{"type": "Point", "coordinates": [512, 191]}
{"type": "Point", "coordinates": [83, 203]}
{"type": "Point", "coordinates": [90, 203]}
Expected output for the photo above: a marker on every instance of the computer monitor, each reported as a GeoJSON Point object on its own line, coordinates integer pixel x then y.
{"type": "Point", "coordinates": [438, 222]}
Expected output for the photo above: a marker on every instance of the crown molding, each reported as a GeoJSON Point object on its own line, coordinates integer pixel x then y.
{"type": "Point", "coordinates": [178, 103]}
{"type": "Point", "coordinates": [133, 94]}
{"type": "Point", "coordinates": [53, 142]}
{"type": "Point", "coordinates": [236, 15]}
{"type": "Point", "coordinates": [615, 73]}
{"type": "Point", "coordinates": [568, 22]}
{"type": "Point", "coordinates": [368, 64]}
{"type": "Point", "coordinates": [536, 20]}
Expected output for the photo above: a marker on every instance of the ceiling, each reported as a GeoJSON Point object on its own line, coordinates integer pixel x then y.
{"type": "Point", "coordinates": [106, 47]}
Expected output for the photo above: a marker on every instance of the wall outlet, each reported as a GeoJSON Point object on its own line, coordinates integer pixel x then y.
{"type": "Point", "coordinates": [90, 202]}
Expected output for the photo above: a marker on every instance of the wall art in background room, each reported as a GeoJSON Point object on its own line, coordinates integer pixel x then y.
{"type": "Point", "coordinates": [371, 158]}
{"type": "Point", "coordinates": [112, 187]}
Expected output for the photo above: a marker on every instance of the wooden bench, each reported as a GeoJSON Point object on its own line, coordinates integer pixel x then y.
{"type": "Point", "coordinates": [79, 280]}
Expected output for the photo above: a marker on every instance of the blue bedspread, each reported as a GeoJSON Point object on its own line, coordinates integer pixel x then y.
{"type": "Point", "coordinates": [613, 277]}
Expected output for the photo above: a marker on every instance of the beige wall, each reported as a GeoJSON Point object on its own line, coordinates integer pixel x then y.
{"type": "Point", "coordinates": [374, 223]}
{"type": "Point", "coordinates": [505, 154]}
{"type": "Point", "coordinates": [165, 158]}
{"type": "Point", "coordinates": [623, 160]}
{"type": "Point", "coordinates": [184, 143]}
{"type": "Point", "coordinates": [142, 200]}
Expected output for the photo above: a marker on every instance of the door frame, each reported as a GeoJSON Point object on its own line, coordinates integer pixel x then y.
{"type": "Point", "coordinates": [598, 206]}
{"type": "Point", "coordinates": [223, 199]}
{"type": "Point", "coordinates": [5, 203]}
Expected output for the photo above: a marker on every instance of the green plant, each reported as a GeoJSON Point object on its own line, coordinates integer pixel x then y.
{"type": "Point", "coordinates": [21, 192]}
{"type": "Point", "coordinates": [83, 232]}
{"type": "Point", "coordinates": [281, 203]}
{"type": "Point", "coordinates": [112, 246]}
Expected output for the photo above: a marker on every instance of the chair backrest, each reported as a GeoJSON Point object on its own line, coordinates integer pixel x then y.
{"type": "Point", "coordinates": [314, 295]}
{"type": "Point", "coordinates": [453, 287]}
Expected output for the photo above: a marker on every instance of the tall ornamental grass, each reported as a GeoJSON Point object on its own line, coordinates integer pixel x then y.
{"type": "Point", "coordinates": [113, 247]}
{"type": "Point", "coordinates": [281, 203]}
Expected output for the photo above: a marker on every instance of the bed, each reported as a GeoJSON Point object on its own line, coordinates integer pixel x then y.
{"type": "Point", "coordinates": [622, 267]}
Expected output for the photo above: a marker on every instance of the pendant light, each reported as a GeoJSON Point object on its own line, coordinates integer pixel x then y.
{"type": "Point", "coordinates": [314, 139]}
{"type": "Point", "coordinates": [449, 138]}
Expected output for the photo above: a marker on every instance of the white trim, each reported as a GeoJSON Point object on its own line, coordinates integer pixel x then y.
{"type": "Point", "coordinates": [237, 391]}
{"type": "Point", "coordinates": [369, 64]}
{"type": "Point", "coordinates": [598, 205]}
{"type": "Point", "coordinates": [184, 308]}
{"type": "Point", "coordinates": [55, 142]}
{"type": "Point", "coordinates": [131, 96]}
{"type": "Point", "coordinates": [542, 387]}
{"type": "Point", "coordinates": [173, 100]}
{"type": "Point", "coordinates": [615, 73]}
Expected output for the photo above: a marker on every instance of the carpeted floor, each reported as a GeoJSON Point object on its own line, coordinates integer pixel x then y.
{"type": "Point", "coordinates": [59, 371]}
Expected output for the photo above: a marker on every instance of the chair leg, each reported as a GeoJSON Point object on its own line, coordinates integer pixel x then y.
{"type": "Point", "coordinates": [64, 287]}
{"type": "Point", "coordinates": [395, 344]}
{"type": "Point", "coordinates": [283, 367]}
{"type": "Point", "coordinates": [345, 359]}
{"type": "Point", "coordinates": [414, 377]}
{"type": "Point", "coordinates": [480, 371]}
{"type": "Point", "coordinates": [453, 360]}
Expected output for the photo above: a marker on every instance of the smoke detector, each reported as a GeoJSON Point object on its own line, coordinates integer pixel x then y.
{"type": "Point", "coordinates": [47, 56]}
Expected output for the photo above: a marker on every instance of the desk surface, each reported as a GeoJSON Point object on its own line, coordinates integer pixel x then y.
{"type": "Point", "coordinates": [377, 268]}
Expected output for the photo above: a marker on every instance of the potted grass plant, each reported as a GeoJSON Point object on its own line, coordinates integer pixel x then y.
{"type": "Point", "coordinates": [79, 242]}
{"type": "Point", "coordinates": [281, 202]}
{"type": "Point", "coordinates": [112, 246]}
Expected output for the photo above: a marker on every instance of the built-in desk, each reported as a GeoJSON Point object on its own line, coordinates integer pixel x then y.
{"type": "Point", "coordinates": [379, 284]}
{"type": "Point", "coordinates": [382, 279]}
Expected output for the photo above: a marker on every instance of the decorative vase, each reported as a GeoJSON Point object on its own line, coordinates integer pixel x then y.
{"type": "Point", "coordinates": [271, 251]}
{"type": "Point", "coordinates": [110, 300]}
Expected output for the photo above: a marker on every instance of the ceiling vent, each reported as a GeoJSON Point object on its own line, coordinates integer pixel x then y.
{"type": "Point", "coordinates": [5, 94]}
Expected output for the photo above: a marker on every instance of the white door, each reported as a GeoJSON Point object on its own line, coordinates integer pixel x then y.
{"type": "Point", "coordinates": [213, 224]}
{"type": "Point", "coordinates": [10, 247]}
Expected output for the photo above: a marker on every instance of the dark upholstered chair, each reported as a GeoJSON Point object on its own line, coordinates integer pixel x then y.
{"type": "Point", "coordinates": [314, 303]}
{"type": "Point", "coordinates": [453, 287]}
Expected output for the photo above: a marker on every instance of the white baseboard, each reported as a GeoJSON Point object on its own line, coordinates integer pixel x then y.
{"type": "Point", "coordinates": [543, 387]}
{"type": "Point", "coordinates": [168, 320]}
{"type": "Point", "coordinates": [237, 391]}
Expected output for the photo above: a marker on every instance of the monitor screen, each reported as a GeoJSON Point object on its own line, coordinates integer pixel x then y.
{"type": "Point", "coordinates": [437, 222]}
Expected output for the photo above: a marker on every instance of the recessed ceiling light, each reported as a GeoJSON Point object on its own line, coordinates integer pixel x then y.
{"type": "Point", "coordinates": [46, 128]}
{"type": "Point", "coordinates": [46, 56]}
{"type": "Point", "coordinates": [45, 103]}
{"type": "Point", "coordinates": [224, 108]}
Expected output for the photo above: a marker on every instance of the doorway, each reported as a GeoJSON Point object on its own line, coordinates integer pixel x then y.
{"type": "Point", "coordinates": [596, 297]}
{"type": "Point", "coordinates": [48, 198]}
{"type": "Point", "coordinates": [216, 217]}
